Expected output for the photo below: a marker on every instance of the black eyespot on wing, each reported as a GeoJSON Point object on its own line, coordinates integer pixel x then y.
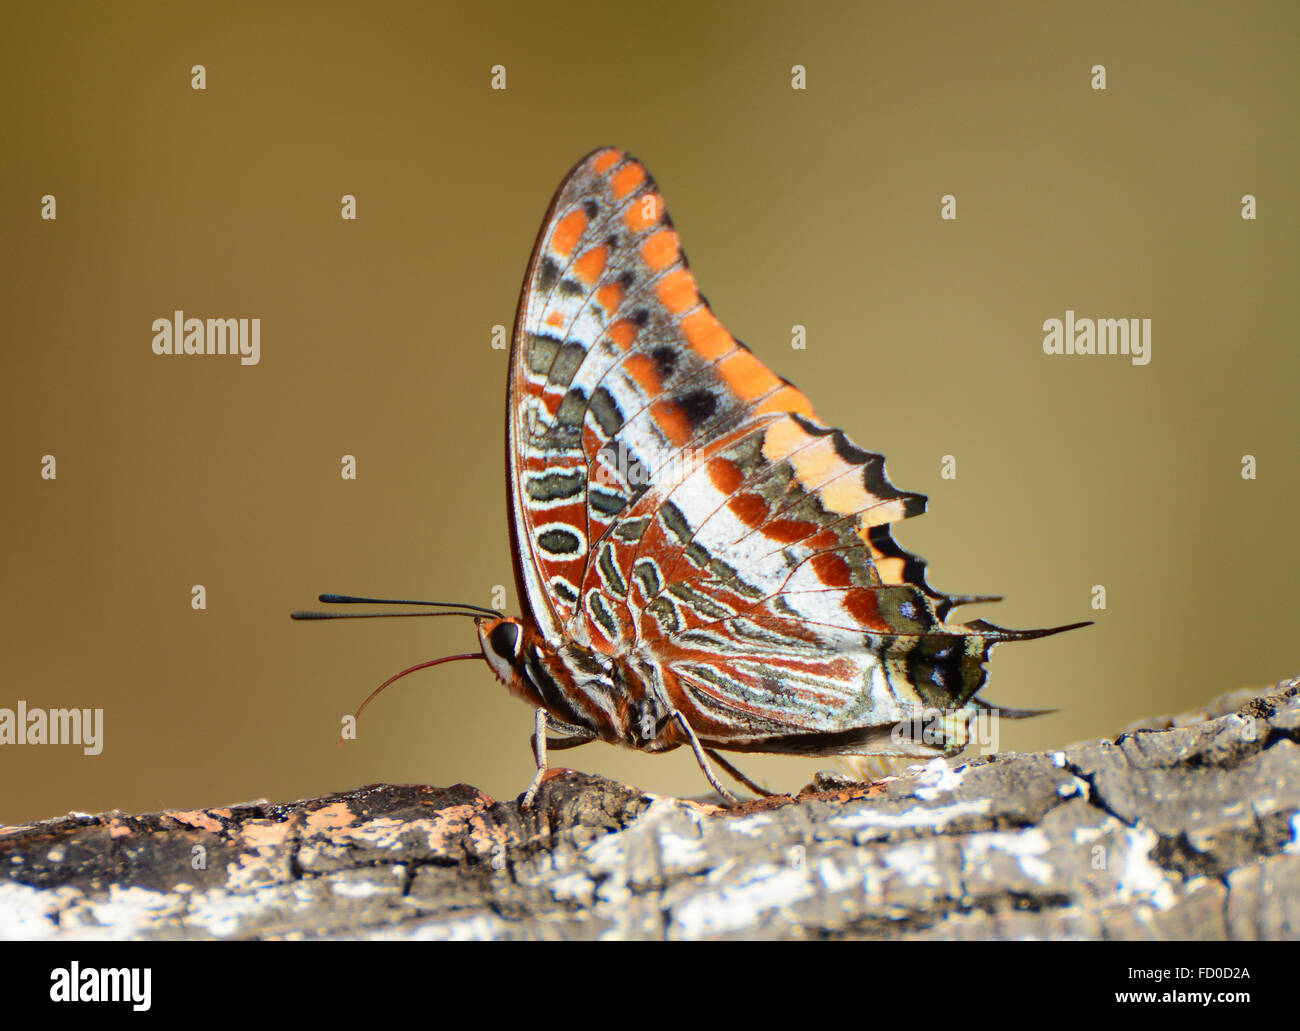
{"type": "Point", "coordinates": [605, 411]}
{"type": "Point", "coordinates": [563, 590]}
{"type": "Point", "coordinates": [665, 359]}
{"type": "Point", "coordinates": [630, 529]}
{"type": "Point", "coordinates": [646, 574]}
{"type": "Point", "coordinates": [555, 486]}
{"type": "Point", "coordinates": [610, 572]}
{"type": "Point", "coordinates": [666, 615]}
{"type": "Point", "coordinates": [601, 614]}
{"type": "Point", "coordinates": [640, 316]}
{"type": "Point", "coordinates": [606, 502]}
{"type": "Point", "coordinates": [671, 516]}
{"type": "Point", "coordinates": [591, 208]}
{"type": "Point", "coordinates": [547, 274]}
{"type": "Point", "coordinates": [540, 352]}
{"type": "Point", "coordinates": [572, 410]}
{"type": "Point", "coordinates": [559, 542]}
{"type": "Point", "coordinates": [698, 405]}
{"type": "Point", "coordinates": [568, 359]}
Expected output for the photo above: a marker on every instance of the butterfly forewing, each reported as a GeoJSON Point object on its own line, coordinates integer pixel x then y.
{"type": "Point", "coordinates": [676, 502]}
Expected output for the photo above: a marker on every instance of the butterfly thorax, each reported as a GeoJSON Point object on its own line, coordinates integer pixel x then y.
{"type": "Point", "coordinates": [584, 692]}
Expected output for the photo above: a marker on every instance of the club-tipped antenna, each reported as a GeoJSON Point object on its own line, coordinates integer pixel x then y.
{"type": "Point", "coordinates": [349, 599]}
{"type": "Point", "coordinates": [311, 614]}
{"type": "Point", "coordinates": [454, 608]}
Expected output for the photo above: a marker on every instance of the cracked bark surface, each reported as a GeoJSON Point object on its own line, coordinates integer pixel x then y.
{"type": "Point", "coordinates": [1184, 827]}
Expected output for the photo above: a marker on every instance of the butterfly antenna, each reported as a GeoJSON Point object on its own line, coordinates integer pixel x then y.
{"type": "Point", "coordinates": [350, 599]}
{"type": "Point", "coordinates": [308, 614]}
{"type": "Point", "coordinates": [398, 676]}
{"type": "Point", "coordinates": [455, 608]}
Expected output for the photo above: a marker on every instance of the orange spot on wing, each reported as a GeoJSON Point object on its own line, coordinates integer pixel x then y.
{"type": "Point", "coordinates": [622, 333]}
{"type": "Point", "coordinates": [878, 515]}
{"type": "Point", "coordinates": [677, 290]}
{"type": "Point", "coordinates": [750, 509]}
{"type": "Point", "coordinates": [861, 605]}
{"type": "Point", "coordinates": [787, 399]}
{"type": "Point", "coordinates": [610, 297]}
{"type": "Point", "coordinates": [568, 231]}
{"type": "Point", "coordinates": [824, 540]}
{"type": "Point", "coordinates": [725, 475]}
{"type": "Point", "coordinates": [646, 212]}
{"type": "Point", "coordinates": [592, 264]}
{"type": "Point", "coordinates": [746, 375]}
{"type": "Point", "coordinates": [787, 531]}
{"type": "Point", "coordinates": [606, 160]}
{"type": "Point", "coordinates": [669, 417]}
{"type": "Point", "coordinates": [627, 179]}
{"type": "Point", "coordinates": [782, 438]}
{"type": "Point", "coordinates": [818, 462]}
{"type": "Point", "coordinates": [661, 249]}
{"type": "Point", "coordinates": [832, 570]}
{"type": "Point", "coordinates": [706, 334]}
{"type": "Point", "coordinates": [892, 570]}
{"type": "Point", "coordinates": [846, 494]}
{"type": "Point", "coordinates": [555, 318]}
{"type": "Point", "coordinates": [645, 373]}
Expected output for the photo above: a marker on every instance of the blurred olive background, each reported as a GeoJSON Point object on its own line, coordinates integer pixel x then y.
{"type": "Point", "coordinates": [817, 207]}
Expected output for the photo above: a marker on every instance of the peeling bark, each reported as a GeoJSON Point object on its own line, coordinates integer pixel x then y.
{"type": "Point", "coordinates": [1184, 828]}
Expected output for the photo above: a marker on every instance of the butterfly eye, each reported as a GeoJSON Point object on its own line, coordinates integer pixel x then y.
{"type": "Point", "coordinates": [504, 640]}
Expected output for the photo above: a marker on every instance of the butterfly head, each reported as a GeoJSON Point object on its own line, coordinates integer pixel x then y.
{"type": "Point", "coordinates": [534, 669]}
{"type": "Point", "coordinates": [528, 665]}
{"type": "Point", "coordinates": [502, 641]}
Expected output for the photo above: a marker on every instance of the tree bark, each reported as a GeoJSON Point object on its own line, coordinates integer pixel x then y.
{"type": "Point", "coordinates": [1184, 828]}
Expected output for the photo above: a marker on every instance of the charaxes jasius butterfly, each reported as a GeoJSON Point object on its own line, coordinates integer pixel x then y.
{"type": "Point", "coordinates": [701, 560]}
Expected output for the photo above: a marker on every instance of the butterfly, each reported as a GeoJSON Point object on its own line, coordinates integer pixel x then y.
{"type": "Point", "coordinates": [701, 561]}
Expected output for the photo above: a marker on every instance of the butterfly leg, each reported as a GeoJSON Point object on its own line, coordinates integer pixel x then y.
{"type": "Point", "coordinates": [702, 759]}
{"type": "Point", "coordinates": [540, 743]}
{"type": "Point", "coordinates": [737, 774]}
{"type": "Point", "coordinates": [539, 752]}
